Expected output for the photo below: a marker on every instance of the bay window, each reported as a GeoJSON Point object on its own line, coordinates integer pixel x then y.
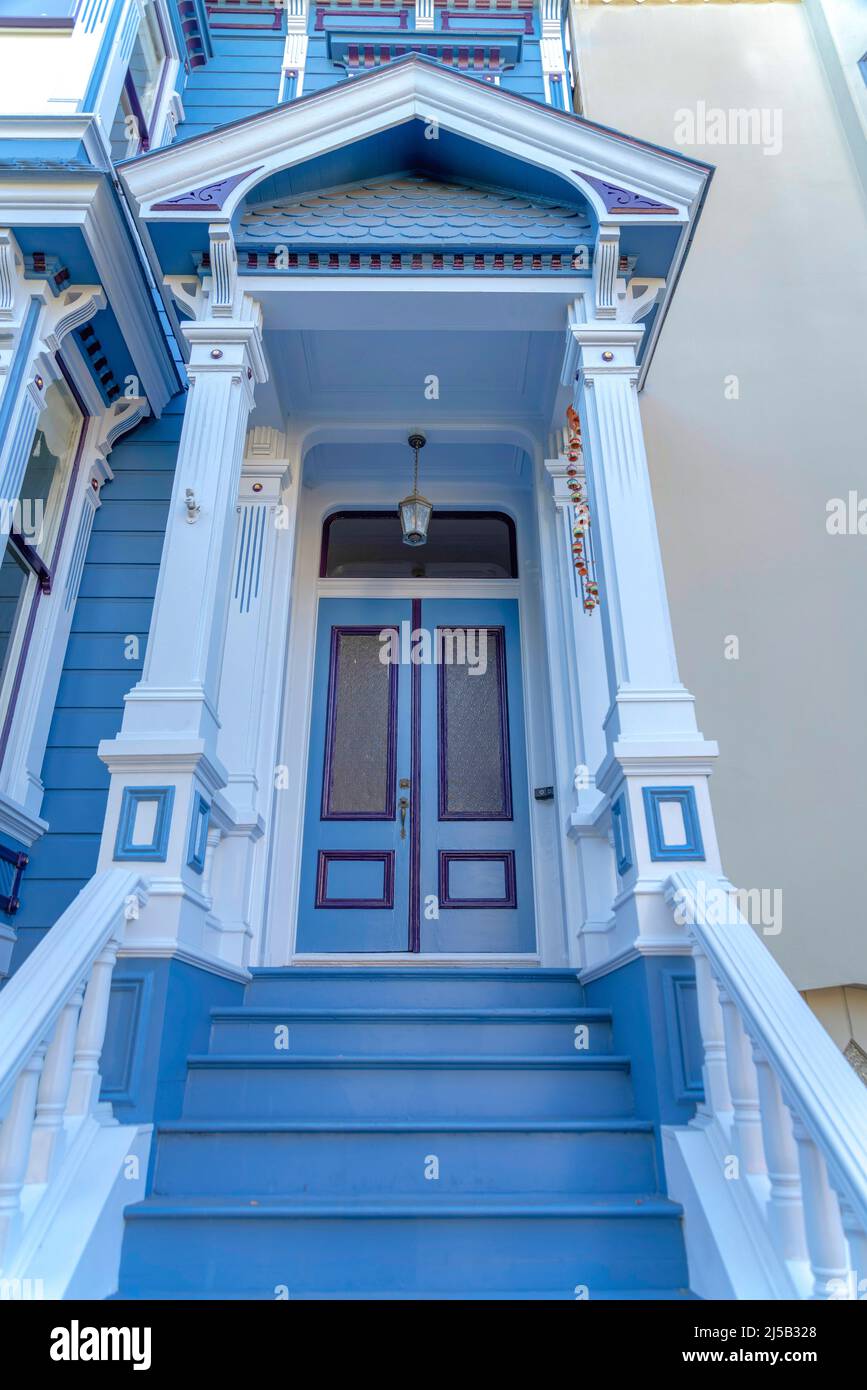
{"type": "Point", "coordinates": [132, 130]}
{"type": "Point", "coordinates": [31, 533]}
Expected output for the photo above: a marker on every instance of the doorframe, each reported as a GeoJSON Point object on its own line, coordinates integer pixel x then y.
{"type": "Point", "coordinates": [288, 823]}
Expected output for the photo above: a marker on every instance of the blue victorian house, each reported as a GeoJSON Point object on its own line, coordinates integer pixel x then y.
{"type": "Point", "coordinates": [364, 925]}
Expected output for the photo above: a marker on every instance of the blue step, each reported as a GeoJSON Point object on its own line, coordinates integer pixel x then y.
{"type": "Point", "coordinates": [379, 1158]}
{"type": "Point", "coordinates": [264, 1246]}
{"type": "Point", "coordinates": [406, 1087]}
{"type": "Point", "coordinates": [307, 1171]}
{"type": "Point", "coordinates": [424, 1295]}
{"type": "Point", "coordinates": [363, 987]}
{"type": "Point", "coordinates": [358, 1032]}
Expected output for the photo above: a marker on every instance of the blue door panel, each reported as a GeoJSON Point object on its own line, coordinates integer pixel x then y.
{"type": "Point", "coordinates": [355, 866]}
{"type": "Point", "coordinates": [475, 849]}
{"type": "Point", "coordinates": [470, 829]}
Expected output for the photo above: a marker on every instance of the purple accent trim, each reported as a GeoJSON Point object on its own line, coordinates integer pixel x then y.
{"type": "Point", "coordinates": [10, 902]}
{"type": "Point", "coordinates": [144, 142]}
{"type": "Point", "coordinates": [441, 515]}
{"type": "Point", "coordinates": [76, 463]}
{"type": "Point", "coordinates": [31, 617]}
{"type": "Point", "coordinates": [33, 560]}
{"type": "Point", "coordinates": [506, 857]}
{"type": "Point", "coordinates": [355, 856]}
{"type": "Point", "coordinates": [618, 199]}
{"type": "Point", "coordinates": [442, 730]}
{"type": "Point", "coordinates": [275, 11]}
{"type": "Point", "coordinates": [210, 197]}
{"type": "Point", "coordinates": [389, 810]}
{"type": "Point", "coordinates": [415, 795]}
{"type": "Point", "coordinates": [342, 15]}
{"type": "Point", "coordinates": [494, 16]}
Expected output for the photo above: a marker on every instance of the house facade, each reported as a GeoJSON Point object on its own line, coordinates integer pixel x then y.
{"type": "Point", "coordinates": [366, 932]}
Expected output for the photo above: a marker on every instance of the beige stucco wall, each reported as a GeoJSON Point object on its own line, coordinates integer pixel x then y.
{"type": "Point", "coordinates": [775, 293]}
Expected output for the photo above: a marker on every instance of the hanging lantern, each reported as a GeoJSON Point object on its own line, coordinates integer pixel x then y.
{"type": "Point", "coordinates": [415, 510]}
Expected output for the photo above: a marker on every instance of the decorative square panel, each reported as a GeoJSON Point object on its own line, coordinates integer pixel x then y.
{"type": "Point", "coordinates": [198, 842]}
{"type": "Point", "coordinates": [477, 878]}
{"type": "Point", "coordinates": [673, 828]}
{"type": "Point", "coordinates": [144, 823]}
{"type": "Point", "coordinates": [620, 826]}
{"type": "Point", "coordinates": [355, 878]}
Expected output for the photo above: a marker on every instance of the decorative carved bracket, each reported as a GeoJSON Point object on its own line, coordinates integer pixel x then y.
{"type": "Point", "coordinates": [10, 260]}
{"type": "Point", "coordinates": [606, 260]}
{"type": "Point", "coordinates": [224, 269]}
{"type": "Point", "coordinates": [73, 308]}
{"type": "Point", "coordinates": [642, 292]}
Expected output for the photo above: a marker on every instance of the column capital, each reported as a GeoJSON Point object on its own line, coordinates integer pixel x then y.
{"type": "Point", "coordinates": [228, 345]}
{"type": "Point", "coordinates": [606, 349]}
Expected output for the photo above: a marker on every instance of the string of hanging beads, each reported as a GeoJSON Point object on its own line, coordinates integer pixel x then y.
{"type": "Point", "coordinates": [582, 545]}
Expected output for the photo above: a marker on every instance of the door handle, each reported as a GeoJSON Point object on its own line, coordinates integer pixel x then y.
{"type": "Point", "coordinates": [404, 807]}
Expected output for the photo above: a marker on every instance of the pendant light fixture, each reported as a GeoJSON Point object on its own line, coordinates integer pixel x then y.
{"type": "Point", "coordinates": [415, 510]}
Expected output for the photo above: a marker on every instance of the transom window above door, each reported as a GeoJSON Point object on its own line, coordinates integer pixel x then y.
{"type": "Point", "coordinates": [460, 545]}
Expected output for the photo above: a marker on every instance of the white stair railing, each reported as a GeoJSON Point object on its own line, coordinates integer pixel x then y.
{"type": "Point", "coordinates": [787, 1104]}
{"type": "Point", "coordinates": [53, 1016]}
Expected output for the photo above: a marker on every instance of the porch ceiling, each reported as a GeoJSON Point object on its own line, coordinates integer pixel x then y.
{"type": "Point", "coordinates": [445, 461]}
{"type": "Point", "coordinates": [418, 376]}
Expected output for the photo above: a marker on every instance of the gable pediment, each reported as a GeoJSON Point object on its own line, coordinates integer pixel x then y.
{"type": "Point", "coordinates": [414, 209]}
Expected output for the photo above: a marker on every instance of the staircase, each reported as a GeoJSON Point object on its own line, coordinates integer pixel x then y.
{"type": "Point", "coordinates": [304, 1165]}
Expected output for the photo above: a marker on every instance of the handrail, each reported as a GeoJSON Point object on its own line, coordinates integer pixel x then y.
{"type": "Point", "coordinates": [53, 1016]}
{"type": "Point", "coordinates": [794, 1105]}
{"type": "Point", "coordinates": [32, 1000]}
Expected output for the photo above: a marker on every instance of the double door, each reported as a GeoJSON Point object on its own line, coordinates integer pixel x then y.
{"type": "Point", "coordinates": [416, 832]}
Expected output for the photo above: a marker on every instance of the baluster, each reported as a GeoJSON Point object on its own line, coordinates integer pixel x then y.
{"type": "Point", "coordinates": [826, 1242]}
{"type": "Point", "coordinates": [48, 1135]}
{"type": "Point", "coordinates": [716, 1086]}
{"type": "Point", "coordinates": [85, 1082]}
{"type": "Point", "coordinates": [785, 1210]}
{"type": "Point", "coordinates": [747, 1123]}
{"type": "Point", "coordinates": [15, 1136]}
{"type": "Point", "coordinates": [857, 1238]}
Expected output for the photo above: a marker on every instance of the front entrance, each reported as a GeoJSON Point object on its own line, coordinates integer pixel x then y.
{"type": "Point", "coordinates": [416, 832]}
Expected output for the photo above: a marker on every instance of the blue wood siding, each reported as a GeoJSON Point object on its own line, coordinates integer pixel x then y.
{"type": "Point", "coordinates": [114, 603]}
{"type": "Point", "coordinates": [242, 79]}
{"type": "Point", "coordinates": [525, 79]}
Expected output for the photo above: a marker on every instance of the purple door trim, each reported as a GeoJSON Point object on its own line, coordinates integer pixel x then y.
{"type": "Point", "coordinates": [506, 857]}
{"type": "Point", "coordinates": [415, 795]}
{"type": "Point", "coordinates": [144, 139]}
{"type": "Point", "coordinates": [388, 811]}
{"type": "Point", "coordinates": [442, 731]}
{"type": "Point", "coordinates": [354, 856]}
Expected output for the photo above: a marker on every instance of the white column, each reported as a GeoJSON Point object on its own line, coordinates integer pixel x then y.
{"type": "Point", "coordinates": [170, 728]}
{"type": "Point", "coordinates": [177, 694]}
{"type": "Point", "coordinates": [579, 694]}
{"type": "Point", "coordinates": [256, 630]}
{"type": "Point", "coordinates": [652, 740]}
{"type": "Point", "coordinates": [638, 626]}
